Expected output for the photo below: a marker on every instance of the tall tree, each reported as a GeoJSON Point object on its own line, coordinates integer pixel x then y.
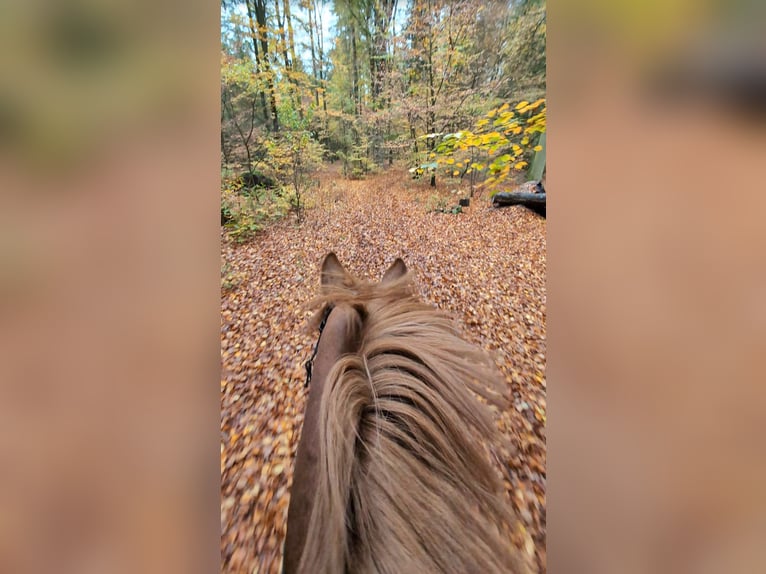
{"type": "Point", "coordinates": [318, 19]}
{"type": "Point", "coordinates": [382, 14]}
{"type": "Point", "coordinates": [312, 27]}
{"type": "Point", "coordinates": [290, 34]}
{"type": "Point", "coordinates": [288, 62]}
{"type": "Point", "coordinates": [259, 7]}
{"type": "Point", "coordinates": [256, 52]}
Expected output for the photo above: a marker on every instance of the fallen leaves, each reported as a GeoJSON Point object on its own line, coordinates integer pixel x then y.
{"type": "Point", "coordinates": [485, 266]}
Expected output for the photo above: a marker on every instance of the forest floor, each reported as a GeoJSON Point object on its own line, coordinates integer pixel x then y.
{"type": "Point", "coordinates": [485, 266]}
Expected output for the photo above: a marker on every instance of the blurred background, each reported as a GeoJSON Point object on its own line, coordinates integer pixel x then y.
{"type": "Point", "coordinates": [656, 286]}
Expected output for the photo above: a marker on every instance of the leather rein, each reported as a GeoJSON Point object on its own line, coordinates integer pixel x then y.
{"type": "Point", "coordinates": [310, 363]}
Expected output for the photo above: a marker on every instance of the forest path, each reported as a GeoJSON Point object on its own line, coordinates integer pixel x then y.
{"type": "Point", "coordinates": [486, 267]}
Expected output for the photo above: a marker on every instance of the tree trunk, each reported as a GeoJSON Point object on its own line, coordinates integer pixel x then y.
{"type": "Point", "coordinates": [312, 26]}
{"type": "Point", "coordinates": [293, 85]}
{"type": "Point", "coordinates": [533, 201]}
{"type": "Point", "coordinates": [260, 16]}
{"type": "Point", "coordinates": [382, 14]}
{"type": "Point", "coordinates": [294, 62]}
{"type": "Point", "coordinates": [355, 72]}
{"type": "Point", "coordinates": [538, 162]}
{"type": "Point", "coordinates": [431, 114]}
{"type": "Point", "coordinates": [373, 79]}
{"type": "Point", "coordinates": [224, 151]}
{"type": "Point", "coordinates": [223, 145]}
{"type": "Point", "coordinates": [282, 38]}
{"type": "Point", "coordinates": [413, 134]}
{"type": "Point", "coordinates": [254, 37]}
{"type": "Point", "coordinates": [320, 48]}
{"type": "Point", "coordinates": [290, 35]}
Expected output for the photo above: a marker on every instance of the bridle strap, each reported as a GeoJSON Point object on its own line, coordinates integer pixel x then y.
{"type": "Point", "coordinates": [310, 363]}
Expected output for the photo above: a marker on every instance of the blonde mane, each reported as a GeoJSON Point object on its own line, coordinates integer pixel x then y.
{"type": "Point", "coordinates": [404, 482]}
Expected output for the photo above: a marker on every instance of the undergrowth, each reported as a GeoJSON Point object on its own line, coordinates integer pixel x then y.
{"type": "Point", "coordinates": [245, 212]}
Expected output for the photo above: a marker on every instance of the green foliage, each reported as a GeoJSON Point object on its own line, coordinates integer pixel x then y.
{"type": "Point", "coordinates": [244, 215]}
{"type": "Point", "coordinates": [501, 142]}
{"type": "Point", "coordinates": [356, 163]}
{"type": "Point", "coordinates": [226, 213]}
{"type": "Point", "coordinates": [294, 157]}
{"type": "Point", "coordinates": [244, 229]}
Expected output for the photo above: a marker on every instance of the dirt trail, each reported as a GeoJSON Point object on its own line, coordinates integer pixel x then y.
{"type": "Point", "coordinates": [486, 267]}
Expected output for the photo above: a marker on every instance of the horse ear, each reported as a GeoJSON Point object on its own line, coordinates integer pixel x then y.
{"type": "Point", "coordinates": [397, 270]}
{"type": "Point", "coordinates": [333, 272]}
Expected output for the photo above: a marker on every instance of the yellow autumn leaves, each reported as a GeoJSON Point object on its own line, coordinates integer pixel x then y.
{"type": "Point", "coordinates": [509, 130]}
{"type": "Point", "coordinates": [523, 107]}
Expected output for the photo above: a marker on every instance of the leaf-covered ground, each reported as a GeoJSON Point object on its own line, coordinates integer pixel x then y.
{"type": "Point", "coordinates": [484, 266]}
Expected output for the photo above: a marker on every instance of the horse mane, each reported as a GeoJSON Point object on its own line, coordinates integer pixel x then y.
{"type": "Point", "coordinates": [404, 482]}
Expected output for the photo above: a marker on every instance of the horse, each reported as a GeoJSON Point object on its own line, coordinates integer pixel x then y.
{"type": "Point", "coordinates": [392, 474]}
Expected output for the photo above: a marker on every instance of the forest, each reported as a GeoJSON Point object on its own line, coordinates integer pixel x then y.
{"type": "Point", "coordinates": [456, 87]}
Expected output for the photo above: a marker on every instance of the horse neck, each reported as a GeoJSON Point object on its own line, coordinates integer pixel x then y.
{"type": "Point", "coordinates": [338, 338]}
